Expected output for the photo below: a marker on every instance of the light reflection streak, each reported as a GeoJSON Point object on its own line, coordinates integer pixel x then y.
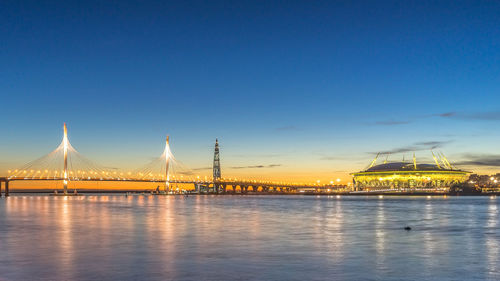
{"type": "Point", "coordinates": [380, 233]}
{"type": "Point", "coordinates": [334, 236]}
{"type": "Point", "coordinates": [65, 242]}
{"type": "Point", "coordinates": [492, 241]}
{"type": "Point", "coordinates": [428, 238]}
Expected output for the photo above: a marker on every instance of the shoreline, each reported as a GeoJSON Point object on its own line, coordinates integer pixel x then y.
{"type": "Point", "coordinates": [149, 192]}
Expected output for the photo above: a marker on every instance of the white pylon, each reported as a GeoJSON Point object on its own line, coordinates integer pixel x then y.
{"type": "Point", "coordinates": [65, 148]}
{"type": "Point", "coordinates": [167, 163]}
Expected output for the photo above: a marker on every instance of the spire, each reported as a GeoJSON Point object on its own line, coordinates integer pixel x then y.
{"type": "Point", "coordinates": [414, 161]}
{"type": "Point", "coordinates": [216, 167]}
{"type": "Point", "coordinates": [65, 132]}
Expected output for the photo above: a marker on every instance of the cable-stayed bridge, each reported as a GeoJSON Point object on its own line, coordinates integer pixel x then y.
{"type": "Point", "coordinates": [66, 164]}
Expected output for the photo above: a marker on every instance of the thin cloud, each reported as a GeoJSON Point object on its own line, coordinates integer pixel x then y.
{"type": "Point", "coordinates": [485, 116]}
{"type": "Point", "coordinates": [446, 114]}
{"type": "Point", "coordinates": [490, 160]}
{"type": "Point", "coordinates": [202, 169]}
{"type": "Point", "coordinates": [257, 166]}
{"type": "Point", "coordinates": [432, 144]}
{"type": "Point", "coordinates": [479, 116]}
{"type": "Point", "coordinates": [418, 146]}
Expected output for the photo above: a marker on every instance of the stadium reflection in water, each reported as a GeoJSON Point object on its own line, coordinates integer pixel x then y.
{"type": "Point", "coordinates": [251, 237]}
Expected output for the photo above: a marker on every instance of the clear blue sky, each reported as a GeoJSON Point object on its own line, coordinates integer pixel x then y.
{"type": "Point", "coordinates": [311, 88]}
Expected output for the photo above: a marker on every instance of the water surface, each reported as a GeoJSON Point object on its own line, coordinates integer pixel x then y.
{"type": "Point", "coordinates": [249, 238]}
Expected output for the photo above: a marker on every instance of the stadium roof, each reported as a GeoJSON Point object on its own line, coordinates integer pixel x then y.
{"type": "Point", "coordinates": [404, 166]}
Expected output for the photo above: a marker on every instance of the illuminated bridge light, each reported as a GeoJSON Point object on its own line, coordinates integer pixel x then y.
{"type": "Point", "coordinates": [66, 164]}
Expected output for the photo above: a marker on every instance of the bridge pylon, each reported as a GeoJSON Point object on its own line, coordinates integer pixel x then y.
{"type": "Point", "coordinates": [65, 149]}
{"type": "Point", "coordinates": [167, 164]}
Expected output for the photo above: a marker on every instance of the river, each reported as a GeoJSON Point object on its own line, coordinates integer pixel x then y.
{"type": "Point", "coordinates": [235, 237]}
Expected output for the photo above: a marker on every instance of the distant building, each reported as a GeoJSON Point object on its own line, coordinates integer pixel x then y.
{"type": "Point", "coordinates": [486, 183]}
{"type": "Point", "coordinates": [409, 176]}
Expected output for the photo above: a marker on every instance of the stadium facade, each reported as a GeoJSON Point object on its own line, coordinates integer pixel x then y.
{"type": "Point", "coordinates": [409, 176]}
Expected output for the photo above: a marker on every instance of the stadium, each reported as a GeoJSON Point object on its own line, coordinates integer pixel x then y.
{"type": "Point", "coordinates": [409, 176]}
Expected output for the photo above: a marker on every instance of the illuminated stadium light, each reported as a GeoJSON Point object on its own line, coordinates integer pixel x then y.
{"type": "Point", "coordinates": [409, 176]}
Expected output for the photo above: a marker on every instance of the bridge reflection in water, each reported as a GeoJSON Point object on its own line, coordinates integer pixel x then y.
{"type": "Point", "coordinates": [251, 237]}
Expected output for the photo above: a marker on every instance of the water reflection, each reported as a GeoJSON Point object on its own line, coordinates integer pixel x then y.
{"type": "Point", "coordinates": [493, 240]}
{"type": "Point", "coordinates": [380, 233]}
{"type": "Point", "coordinates": [246, 237]}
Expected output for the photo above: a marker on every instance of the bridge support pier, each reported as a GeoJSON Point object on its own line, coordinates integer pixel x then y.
{"type": "Point", "coordinates": [6, 188]}
{"type": "Point", "coordinates": [0, 189]}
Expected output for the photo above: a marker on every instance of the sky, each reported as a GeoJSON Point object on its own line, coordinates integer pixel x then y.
{"type": "Point", "coordinates": [293, 90]}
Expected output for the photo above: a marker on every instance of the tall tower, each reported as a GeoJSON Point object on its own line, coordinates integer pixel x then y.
{"type": "Point", "coordinates": [216, 167]}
